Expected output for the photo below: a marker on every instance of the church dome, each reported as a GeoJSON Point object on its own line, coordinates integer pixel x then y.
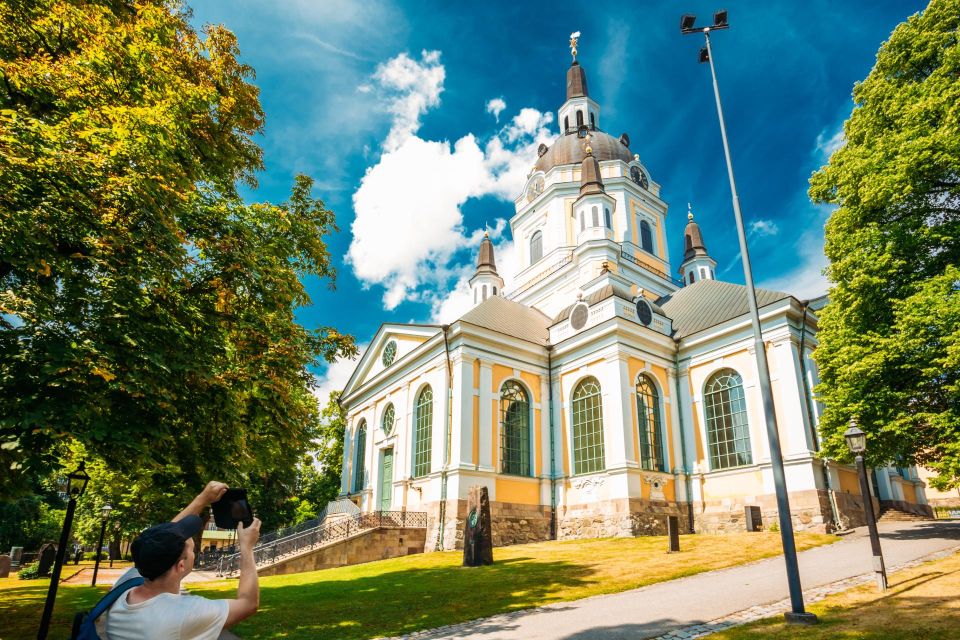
{"type": "Point", "coordinates": [569, 149]}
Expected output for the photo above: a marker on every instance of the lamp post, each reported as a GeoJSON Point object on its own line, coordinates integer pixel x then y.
{"type": "Point", "coordinates": [857, 443]}
{"type": "Point", "coordinates": [797, 614]}
{"type": "Point", "coordinates": [76, 485]}
{"type": "Point", "coordinates": [104, 514]}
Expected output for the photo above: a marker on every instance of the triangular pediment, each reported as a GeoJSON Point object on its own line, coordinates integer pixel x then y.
{"type": "Point", "coordinates": [405, 338]}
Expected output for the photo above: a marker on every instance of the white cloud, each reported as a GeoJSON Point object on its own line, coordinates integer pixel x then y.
{"type": "Point", "coordinates": [414, 87]}
{"type": "Point", "coordinates": [806, 280]}
{"type": "Point", "coordinates": [762, 228]}
{"type": "Point", "coordinates": [408, 224]}
{"type": "Point", "coordinates": [336, 376]}
{"type": "Point", "coordinates": [827, 143]}
{"type": "Point", "coordinates": [496, 107]}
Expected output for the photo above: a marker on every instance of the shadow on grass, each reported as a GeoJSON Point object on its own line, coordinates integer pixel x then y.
{"type": "Point", "coordinates": [403, 601]}
{"type": "Point", "coordinates": [21, 607]}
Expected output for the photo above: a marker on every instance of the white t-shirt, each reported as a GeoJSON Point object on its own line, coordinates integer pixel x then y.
{"type": "Point", "coordinates": [166, 616]}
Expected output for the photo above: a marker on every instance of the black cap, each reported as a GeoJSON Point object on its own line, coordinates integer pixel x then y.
{"type": "Point", "coordinates": [159, 547]}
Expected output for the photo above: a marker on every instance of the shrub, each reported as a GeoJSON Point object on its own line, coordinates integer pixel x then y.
{"type": "Point", "coordinates": [774, 527]}
{"type": "Point", "coordinates": [29, 571]}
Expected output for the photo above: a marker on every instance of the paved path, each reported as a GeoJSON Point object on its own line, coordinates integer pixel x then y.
{"type": "Point", "coordinates": [658, 609]}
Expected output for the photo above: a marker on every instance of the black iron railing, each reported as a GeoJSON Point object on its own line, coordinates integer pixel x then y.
{"type": "Point", "coordinates": [277, 549]}
{"type": "Point", "coordinates": [653, 270]}
{"type": "Point", "coordinates": [560, 264]}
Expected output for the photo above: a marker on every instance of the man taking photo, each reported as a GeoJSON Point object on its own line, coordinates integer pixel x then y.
{"type": "Point", "coordinates": [163, 555]}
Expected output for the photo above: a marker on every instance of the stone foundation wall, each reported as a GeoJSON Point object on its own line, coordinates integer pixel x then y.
{"type": "Point", "coordinates": [511, 523]}
{"type": "Point", "coordinates": [809, 510]}
{"type": "Point", "coordinates": [850, 508]}
{"type": "Point", "coordinates": [953, 502]}
{"type": "Point", "coordinates": [367, 546]}
{"type": "Point", "coordinates": [619, 518]}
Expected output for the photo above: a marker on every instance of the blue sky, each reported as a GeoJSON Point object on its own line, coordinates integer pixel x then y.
{"type": "Point", "coordinates": [388, 107]}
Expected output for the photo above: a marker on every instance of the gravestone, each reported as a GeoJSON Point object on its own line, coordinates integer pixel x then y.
{"type": "Point", "coordinates": [16, 554]}
{"type": "Point", "coordinates": [477, 535]}
{"type": "Point", "coordinates": [4, 566]}
{"type": "Point", "coordinates": [48, 553]}
{"type": "Point", "coordinates": [752, 518]}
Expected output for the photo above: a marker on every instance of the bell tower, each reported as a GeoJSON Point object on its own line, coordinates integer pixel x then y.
{"type": "Point", "coordinates": [697, 263]}
{"type": "Point", "coordinates": [486, 282]}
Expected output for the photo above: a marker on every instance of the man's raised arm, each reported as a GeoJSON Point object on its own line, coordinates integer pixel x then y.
{"type": "Point", "coordinates": [210, 494]}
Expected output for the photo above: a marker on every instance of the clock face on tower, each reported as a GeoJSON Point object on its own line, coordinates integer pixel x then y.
{"type": "Point", "coordinates": [639, 177]}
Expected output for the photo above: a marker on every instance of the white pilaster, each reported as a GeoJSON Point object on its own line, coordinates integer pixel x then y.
{"type": "Point", "coordinates": [486, 419]}
{"type": "Point", "coordinates": [614, 422]}
{"type": "Point", "coordinates": [463, 385]}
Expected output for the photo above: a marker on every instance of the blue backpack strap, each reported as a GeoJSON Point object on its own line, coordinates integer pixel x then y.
{"type": "Point", "coordinates": [107, 601]}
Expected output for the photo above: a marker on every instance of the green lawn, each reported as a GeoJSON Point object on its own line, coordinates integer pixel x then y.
{"type": "Point", "coordinates": [393, 597]}
{"type": "Point", "coordinates": [923, 602]}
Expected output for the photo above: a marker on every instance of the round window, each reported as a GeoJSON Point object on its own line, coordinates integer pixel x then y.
{"type": "Point", "coordinates": [389, 353]}
{"type": "Point", "coordinates": [644, 312]}
{"type": "Point", "coordinates": [387, 421]}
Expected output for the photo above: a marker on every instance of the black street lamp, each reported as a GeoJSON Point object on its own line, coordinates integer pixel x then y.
{"type": "Point", "coordinates": [797, 614]}
{"type": "Point", "coordinates": [76, 485]}
{"type": "Point", "coordinates": [104, 513]}
{"type": "Point", "coordinates": [857, 443]}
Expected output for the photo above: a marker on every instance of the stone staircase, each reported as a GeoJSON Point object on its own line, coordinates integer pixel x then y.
{"type": "Point", "coordinates": [892, 514]}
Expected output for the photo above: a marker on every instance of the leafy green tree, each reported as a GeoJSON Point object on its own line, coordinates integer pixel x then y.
{"type": "Point", "coordinates": [889, 350]}
{"type": "Point", "coordinates": [324, 486]}
{"type": "Point", "coordinates": [146, 310]}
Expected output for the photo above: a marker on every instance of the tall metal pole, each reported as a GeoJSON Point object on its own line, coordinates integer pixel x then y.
{"type": "Point", "coordinates": [878, 566]}
{"type": "Point", "coordinates": [57, 566]}
{"type": "Point", "coordinates": [96, 565]}
{"type": "Point", "coordinates": [797, 613]}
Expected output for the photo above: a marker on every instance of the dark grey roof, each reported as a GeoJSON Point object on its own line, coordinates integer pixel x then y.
{"type": "Point", "coordinates": [707, 303]}
{"type": "Point", "coordinates": [510, 318]}
{"type": "Point", "coordinates": [600, 295]}
{"type": "Point", "coordinates": [576, 81]}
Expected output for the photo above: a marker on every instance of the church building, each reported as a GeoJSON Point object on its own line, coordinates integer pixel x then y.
{"type": "Point", "coordinates": [609, 388]}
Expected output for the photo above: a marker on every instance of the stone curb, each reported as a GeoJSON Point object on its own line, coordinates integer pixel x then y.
{"type": "Point", "coordinates": [810, 595]}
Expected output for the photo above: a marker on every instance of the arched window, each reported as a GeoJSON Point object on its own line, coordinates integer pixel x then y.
{"type": "Point", "coordinates": [691, 277]}
{"type": "Point", "coordinates": [514, 429]}
{"type": "Point", "coordinates": [728, 433]}
{"type": "Point", "coordinates": [359, 461]}
{"type": "Point", "coordinates": [494, 289]}
{"type": "Point", "coordinates": [475, 296]}
{"type": "Point", "coordinates": [587, 428]}
{"type": "Point", "coordinates": [422, 428]}
{"type": "Point", "coordinates": [536, 247]}
{"type": "Point", "coordinates": [596, 216]}
{"type": "Point", "coordinates": [593, 121]}
{"type": "Point", "coordinates": [566, 123]}
{"type": "Point", "coordinates": [484, 292]}
{"type": "Point", "coordinates": [386, 422]}
{"type": "Point", "coordinates": [646, 236]}
{"type": "Point", "coordinates": [703, 273]}
{"type": "Point", "coordinates": [652, 455]}
{"type": "Point", "coordinates": [579, 119]}
{"type": "Point", "coordinates": [606, 218]}
{"type": "Point", "coordinates": [583, 221]}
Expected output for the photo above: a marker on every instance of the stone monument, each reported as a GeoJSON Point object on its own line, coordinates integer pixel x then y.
{"type": "Point", "coordinates": [4, 566]}
{"type": "Point", "coordinates": [16, 553]}
{"type": "Point", "coordinates": [477, 535]}
{"type": "Point", "coordinates": [46, 557]}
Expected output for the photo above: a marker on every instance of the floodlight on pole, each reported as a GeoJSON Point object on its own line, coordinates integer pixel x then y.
{"type": "Point", "coordinates": [797, 614]}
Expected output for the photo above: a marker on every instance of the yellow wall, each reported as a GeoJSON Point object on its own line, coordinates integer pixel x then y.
{"type": "Point", "coordinates": [849, 481]}
{"type": "Point", "coordinates": [909, 492]}
{"type": "Point", "coordinates": [519, 491]}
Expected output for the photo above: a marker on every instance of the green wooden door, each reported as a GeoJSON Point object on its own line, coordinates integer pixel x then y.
{"type": "Point", "coordinates": [386, 479]}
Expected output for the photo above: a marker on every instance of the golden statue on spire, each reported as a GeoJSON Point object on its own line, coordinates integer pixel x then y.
{"type": "Point", "coordinates": [573, 44]}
